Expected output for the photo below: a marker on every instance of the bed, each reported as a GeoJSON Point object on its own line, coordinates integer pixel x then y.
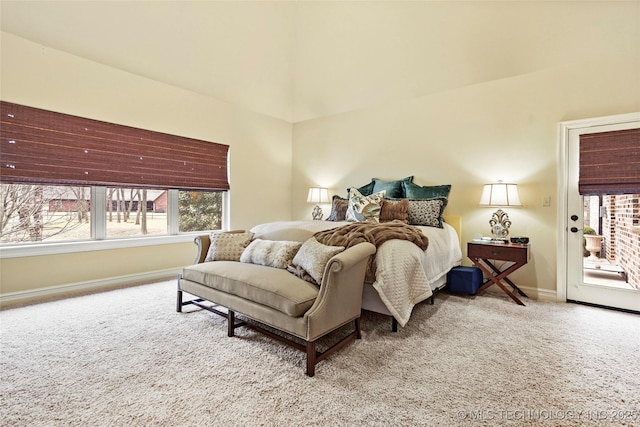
{"type": "Point", "coordinates": [405, 274]}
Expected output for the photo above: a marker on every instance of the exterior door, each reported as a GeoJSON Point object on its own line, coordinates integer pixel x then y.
{"type": "Point", "coordinates": [578, 287]}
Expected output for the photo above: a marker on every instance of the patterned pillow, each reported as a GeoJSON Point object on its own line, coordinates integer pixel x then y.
{"type": "Point", "coordinates": [364, 208]}
{"type": "Point", "coordinates": [416, 192]}
{"type": "Point", "coordinates": [227, 246]}
{"type": "Point", "coordinates": [312, 258]}
{"type": "Point", "coordinates": [272, 253]}
{"type": "Point", "coordinates": [339, 207]}
{"type": "Point", "coordinates": [427, 212]}
{"type": "Point", "coordinates": [393, 210]}
{"type": "Point", "coordinates": [393, 188]}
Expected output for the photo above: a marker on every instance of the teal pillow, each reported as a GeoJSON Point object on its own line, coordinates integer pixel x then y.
{"type": "Point", "coordinates": [394, 189]}
{"type": "Point", "coordinates": [416, 192]}
{"type": "Point", "coordinates": [365, 190]}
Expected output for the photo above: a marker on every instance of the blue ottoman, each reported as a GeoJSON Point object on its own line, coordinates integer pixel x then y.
{"type": "Point", "coordinates": [464, 280]}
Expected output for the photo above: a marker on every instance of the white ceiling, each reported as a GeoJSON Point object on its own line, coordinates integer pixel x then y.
{"type": "Point", "coordinates": [298, 60]}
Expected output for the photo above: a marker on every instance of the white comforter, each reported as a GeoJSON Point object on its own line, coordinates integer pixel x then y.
{"type": "Point", "coordinates": [405, 274]}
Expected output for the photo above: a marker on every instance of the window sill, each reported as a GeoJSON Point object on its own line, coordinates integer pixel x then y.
{"type": "Point", "coordinates": [41, 249]}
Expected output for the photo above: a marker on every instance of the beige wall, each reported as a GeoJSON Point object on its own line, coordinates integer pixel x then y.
{"type": "Point", "coordinates": [505, 129]}
{"type": "Point", "coordinates": [93, 268]}
{"type": "Point", "coordinates": [37, 76]}
{"type": "Point", "coordinates": [491, 111]}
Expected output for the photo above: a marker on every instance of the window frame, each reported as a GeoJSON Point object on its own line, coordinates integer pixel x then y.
{"type": "Point", "coordinates": [99, 242]}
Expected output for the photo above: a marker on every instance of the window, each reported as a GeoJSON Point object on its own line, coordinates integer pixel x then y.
{"type": "Point", "coordinates": [37, 213]}
{"type": "Point", "coordinates": [135, 212]}
{"type": "Point", "coordinates": [47, 213]}
{"type": "Point", "coordinates": [199, 210]}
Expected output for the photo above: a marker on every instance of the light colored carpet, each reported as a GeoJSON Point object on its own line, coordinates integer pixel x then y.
{"type": "Point", "coordinates": [127, 358]}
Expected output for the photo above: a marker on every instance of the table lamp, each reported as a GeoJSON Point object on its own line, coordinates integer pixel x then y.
{"type": "Point", "coordinates": [500, 194]}
{"type": "Point", "coordinates": [317, 195]}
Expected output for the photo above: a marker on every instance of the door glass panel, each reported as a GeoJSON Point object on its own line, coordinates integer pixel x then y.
{"type": "Point", "coordinates": [611, 242]}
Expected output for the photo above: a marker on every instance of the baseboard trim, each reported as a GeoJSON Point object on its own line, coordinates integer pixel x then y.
{"type": "Point", "coordinates": [62, 291]}
{"type": "Point", "coordinates": [533, 293]}
{"type": "Point", "coordinates": [540, 294]}
{"type": "Point", "coordinates": [57, 292]}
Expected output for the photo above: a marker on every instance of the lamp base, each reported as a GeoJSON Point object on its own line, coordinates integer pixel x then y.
{"type": "Point", "coordinates": [317, 213]}
{"type": "Point", "coordinates": [500, 224]}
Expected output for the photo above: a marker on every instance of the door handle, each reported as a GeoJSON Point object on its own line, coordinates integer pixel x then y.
{"type": "Point", "coordinates": [575, 229]}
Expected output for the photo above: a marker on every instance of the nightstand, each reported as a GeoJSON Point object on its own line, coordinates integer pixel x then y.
{"type": "Point", "coordinates": [481, 253]}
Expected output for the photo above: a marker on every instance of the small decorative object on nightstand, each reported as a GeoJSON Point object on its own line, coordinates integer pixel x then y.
{"type": "Point", "coordinates": [482, 252]}
{"type": "Point", "coordinates": [499, 195]}
{"type": "Point", "coordinates": [317, 195]}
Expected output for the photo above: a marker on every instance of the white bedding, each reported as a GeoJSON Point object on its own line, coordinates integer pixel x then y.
{"type": "Point", "coordinates": [405, 274]}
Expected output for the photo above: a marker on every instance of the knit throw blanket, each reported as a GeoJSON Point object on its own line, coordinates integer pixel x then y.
{"type": "Point", "coordinates": [375, 233]}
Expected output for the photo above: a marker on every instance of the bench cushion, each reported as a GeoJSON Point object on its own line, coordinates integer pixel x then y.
{"type": "Point", "coordinates": [273, 287]}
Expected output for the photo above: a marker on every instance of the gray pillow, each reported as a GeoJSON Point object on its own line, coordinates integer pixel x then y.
{"type": "Point", "coordinates": [272, 253]}
{"type": "Point", "coordinates": [313, 257]}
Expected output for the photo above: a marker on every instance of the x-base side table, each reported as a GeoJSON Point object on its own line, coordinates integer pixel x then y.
{"type": "Point", "coordinates": [482, 253]}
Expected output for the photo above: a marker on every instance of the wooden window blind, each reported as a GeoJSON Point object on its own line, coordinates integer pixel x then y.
{"type": "Point", "coordinates": [610, 163]}
{"type": "Point", "coordinates": [45, 147]}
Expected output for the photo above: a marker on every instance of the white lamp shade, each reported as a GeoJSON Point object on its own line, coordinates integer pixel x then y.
{"type": "Point", "coordinates": [500, 194]}
{"type": "Point", "coordinates": [318, 195]}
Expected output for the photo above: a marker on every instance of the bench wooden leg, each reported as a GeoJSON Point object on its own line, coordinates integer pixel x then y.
{"type": "Point", "coordinates": [231, 323]}
{"type": "Point", "coordinates": [179, 297]}
{"type": "Point", "coordinates": [311, 358]}
{"type": "Point", "coordinates": [179, 302]}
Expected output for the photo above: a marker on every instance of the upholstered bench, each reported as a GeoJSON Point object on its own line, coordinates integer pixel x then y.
{"type": "Point", "coordinates": [279, 299]}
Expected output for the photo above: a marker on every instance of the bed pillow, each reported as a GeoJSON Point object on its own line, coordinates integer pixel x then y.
{"type": "Point", "coordinates": [395, 210]}
{"type": "Point", "coordinates": [272, 253]}
{"type": "Point", "coordinates": [416, 192]}
{"type": "Point", "coordinates": [312, 258]}
{"type": "Point", "coordinates": [339, 206]}
{"type": "Point", "coordinates": [427, 212]}
{"type": "Point", "coordinates": [364, 208]}
{"type": "Point", "coordinates": [228, 246]}
{"type": "Point", "coordinates": [365, 190]}
{"type": "Point", "coordinates": [393, 188]}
